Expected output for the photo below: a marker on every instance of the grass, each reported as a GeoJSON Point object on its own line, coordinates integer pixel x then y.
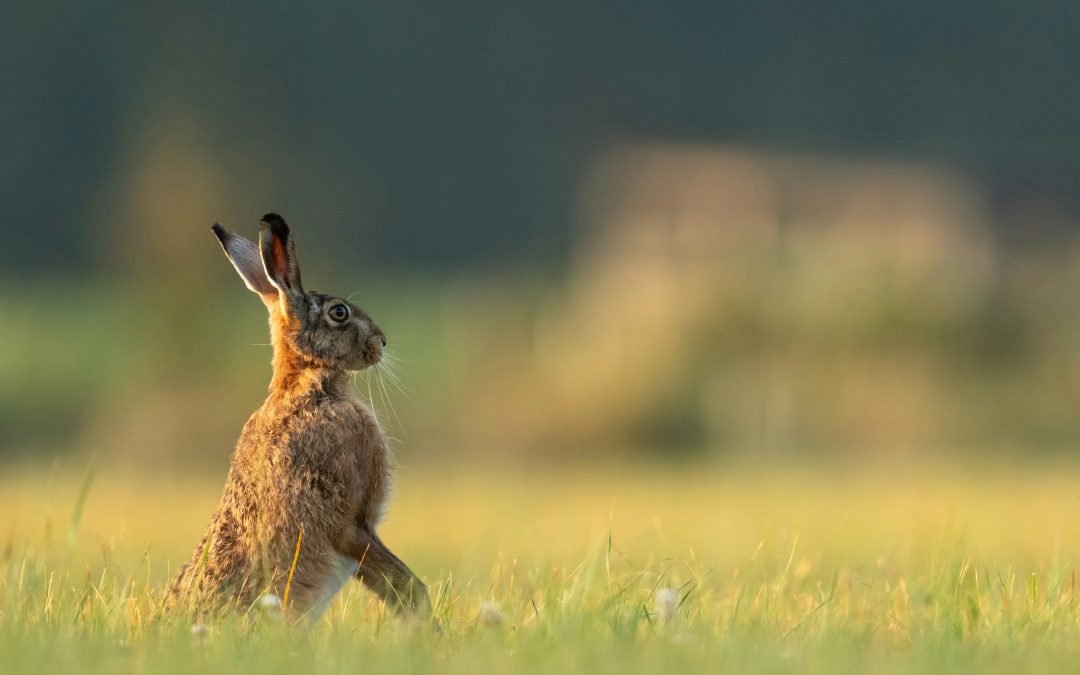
{"type": "Point", "coordinates": [601, 569]}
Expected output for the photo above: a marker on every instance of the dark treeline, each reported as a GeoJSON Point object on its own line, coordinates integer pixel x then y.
{"type": "Point", "coordinates": [447, 134]}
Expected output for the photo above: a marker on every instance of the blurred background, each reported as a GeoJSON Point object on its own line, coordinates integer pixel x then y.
{"type": "Point", "coordinates": [595, 233]}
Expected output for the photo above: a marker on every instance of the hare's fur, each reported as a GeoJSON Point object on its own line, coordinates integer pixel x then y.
{"type": "Point", "coordinates": [311, 469]}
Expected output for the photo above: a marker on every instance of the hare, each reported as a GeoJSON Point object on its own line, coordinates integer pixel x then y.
{"type": "Point", "coordinates": [310, 473]}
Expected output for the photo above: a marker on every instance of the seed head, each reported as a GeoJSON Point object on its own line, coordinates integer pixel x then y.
{"type": "Point", "coordinates": [667, 603]}
{"type": "Point", "coordinates": [270, 605]}
{"type": "Point", "coordinates": [491, 613]}
{"type": "Point", "coordinates": [201, 633]}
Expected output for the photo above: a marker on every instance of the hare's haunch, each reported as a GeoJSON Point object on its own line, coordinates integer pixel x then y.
{"type": "Point", "coordinates": [310, 473]}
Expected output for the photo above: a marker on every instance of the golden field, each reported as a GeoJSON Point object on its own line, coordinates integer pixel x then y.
{"type": "Point", "coordinates": [553, 567]}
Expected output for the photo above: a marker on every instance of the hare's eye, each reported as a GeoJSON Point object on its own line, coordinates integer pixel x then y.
{"type": "Point", "coordinates": [338, 313]}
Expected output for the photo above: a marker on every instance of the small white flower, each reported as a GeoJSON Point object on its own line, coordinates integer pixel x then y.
{"type": "Point", "coordinates": [201, 633]}
{"type": "Point", "coordinates": [667, 603]}
{"type": "Point", "coordinates": [491, 613]}
{"type": "Point", "coordinates": [270, 605]}
{"type": "Point", "coordinates": [270, 601]}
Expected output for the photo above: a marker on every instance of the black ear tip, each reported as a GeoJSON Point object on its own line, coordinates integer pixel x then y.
{"type": "Point", "coordinates": [276, 223]}
{"type": "Point", "coordinates": [220, 232]}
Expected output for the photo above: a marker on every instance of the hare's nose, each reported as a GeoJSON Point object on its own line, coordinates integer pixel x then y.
{"type": "Point", "coordinates": [382, 338]}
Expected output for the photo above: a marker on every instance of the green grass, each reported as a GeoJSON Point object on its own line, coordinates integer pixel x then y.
{"type": "Point", "coordinates": [546, 571]}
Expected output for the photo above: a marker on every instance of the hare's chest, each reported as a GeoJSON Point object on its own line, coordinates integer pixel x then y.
{"type": "Point", "coordinates": [371, 455]}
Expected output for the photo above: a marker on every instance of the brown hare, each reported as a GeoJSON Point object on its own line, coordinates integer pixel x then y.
{"type": "Point", "coordinates": [310, 473]}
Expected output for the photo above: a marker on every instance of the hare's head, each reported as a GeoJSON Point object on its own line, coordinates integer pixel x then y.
{"type": "Point", "coordinates": [317, 330]}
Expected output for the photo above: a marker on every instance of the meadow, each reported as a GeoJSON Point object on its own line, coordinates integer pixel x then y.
{"type": "Point", "coordinates": [609, 567]}
{"type": "Point", "coordinates": [826, 481]}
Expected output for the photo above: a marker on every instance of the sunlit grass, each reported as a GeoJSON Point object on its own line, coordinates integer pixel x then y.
{"type": "Point", "coordinates": [632, 569]}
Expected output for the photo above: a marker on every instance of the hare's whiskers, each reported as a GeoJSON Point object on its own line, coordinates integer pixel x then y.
{"type": "Point", "coordinates": [391, 370]}
{"type": "Point", "coordinates": [370, 398]}
{"type": "Point", "coordinates": [355, 384]}
{"type": "Point", "coordinates": [394, 379]}
{"type": "Point", "coordinates": [394, 358]}
{"type": "Point", "coordinates": [386, 396]}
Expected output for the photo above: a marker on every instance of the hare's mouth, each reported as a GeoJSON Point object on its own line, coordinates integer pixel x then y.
{"type": "Point", "coordinates": [366, 360]}
{"type": "Point", "coordinates": [373, 352]}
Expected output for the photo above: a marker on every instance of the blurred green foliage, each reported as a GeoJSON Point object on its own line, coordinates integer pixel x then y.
{"type": "Point", "coordinates": [120, 371]}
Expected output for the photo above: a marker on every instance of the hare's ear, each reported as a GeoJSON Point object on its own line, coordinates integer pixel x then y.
{"type": "Point", "coordinates": [279, 260]}
{"type": "Point", "coordinates": [244, 256]}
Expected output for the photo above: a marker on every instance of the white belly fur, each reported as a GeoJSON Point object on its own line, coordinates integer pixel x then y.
{"type": "Point", "coordinates": [342, 570]}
